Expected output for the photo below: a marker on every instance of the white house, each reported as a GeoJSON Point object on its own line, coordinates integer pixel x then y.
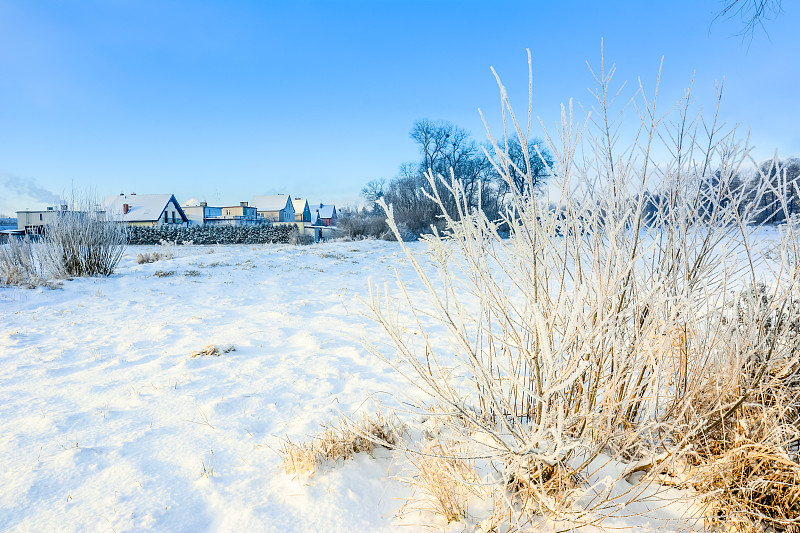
{"type": "Point", "coordinates": [145, 209]}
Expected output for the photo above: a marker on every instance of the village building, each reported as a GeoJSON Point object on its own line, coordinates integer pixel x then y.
{"type": "Point", "coordinates": [242, 213]}
{"type": "Point", "coordinates": [145, 209]}
{"type": "Point", "coordinates": [199, 215]}
{"type": "Point", "coordinates": [323, 221]}
{"type": "Point", "coordinates": [324, 215]}
{"type": "Point", "coordinates": [33, 222]}
{"type": "Point", "coordinates": [275, 207]}
{"type": "Point", "coordinates": [302, 213]}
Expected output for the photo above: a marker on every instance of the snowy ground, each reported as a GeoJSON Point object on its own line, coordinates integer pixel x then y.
{"type": "Point", "coordinates": [108, 424]}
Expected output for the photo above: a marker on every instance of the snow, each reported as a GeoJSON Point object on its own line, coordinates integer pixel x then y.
{"type": "Point", "coordinates": [108, 423]}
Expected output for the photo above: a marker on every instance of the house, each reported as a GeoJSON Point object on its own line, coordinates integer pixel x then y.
{"type": "Point", "coordinates": [238, 215]}
{"type": "Point", "coordinates": [302, 213]}
{"type": "Point", "coordinates": [242, 210]}
{"type": "Point", "coordinates": [275, 207]}
{"type": "Point", "coordinates": [201, 214]}
{"type": "Point", "coordinates": [35, 221]}
{"type": "Point", "coordinates": [324, 215]}
{"type": "Point", "coordinates": [146, 209]}
{"type": "Point", "coordinates": [233, 215]}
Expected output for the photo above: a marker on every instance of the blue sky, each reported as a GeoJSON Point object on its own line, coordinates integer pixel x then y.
{"type": "Point", "coordinates": [223, 100]}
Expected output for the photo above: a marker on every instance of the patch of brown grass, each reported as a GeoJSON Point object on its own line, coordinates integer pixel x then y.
{"type": "Point", "coordinates": [541, 488]}
{"type": "Point", "coordinates": [342, 441]}
{"type": "Point", "coordinates": [443, 480]}
{"type": "Point", "coordinates": [152, 257]}
{"type": "Point", "coordinates": [213, 349]}
{"type": "Point", "coordinates": [746, 468]}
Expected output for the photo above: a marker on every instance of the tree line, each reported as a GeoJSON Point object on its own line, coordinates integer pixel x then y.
{"type": "Point", "coordinates": [446, 148]}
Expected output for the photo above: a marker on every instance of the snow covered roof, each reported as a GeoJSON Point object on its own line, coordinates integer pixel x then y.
{"type": "Point", "coordinates": [141, 207]}
{"type": "Point", "coordinates": [271, 202]}
{"type": "Point", "coordinates": [299, 205]}
{"type": "Point", "coordinates": [325, 210]}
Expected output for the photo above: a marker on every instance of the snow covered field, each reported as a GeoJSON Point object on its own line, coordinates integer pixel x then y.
{"type": "Point", "coordinates": [108, 424]}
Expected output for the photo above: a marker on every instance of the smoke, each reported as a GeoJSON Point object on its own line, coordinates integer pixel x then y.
{"type": "Point", "coordinates": [29, 188]}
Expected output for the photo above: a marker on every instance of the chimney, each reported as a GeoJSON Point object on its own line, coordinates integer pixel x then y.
{"type": "Point", "coordinates": [125, 209]}
{"type": "Point", "coordinates": [320, 205]}
{"type": "Point", "coordinates": [243, 204]}
{"type": "Point", "coordinates": [203, 204]}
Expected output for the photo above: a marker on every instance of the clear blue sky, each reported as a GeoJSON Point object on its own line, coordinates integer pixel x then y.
{"type": "Point", "coordinates": [223, 100]}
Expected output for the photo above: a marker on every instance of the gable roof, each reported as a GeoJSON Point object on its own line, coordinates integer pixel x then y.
{"type": "Point", "coordinates": [141, 207]}
{"type": "Point", "coordinates": [271, 202]}
{"type": "Point", "coordinates": [325, 210]}
{"type": "Point", "coordinates": [299, 205]}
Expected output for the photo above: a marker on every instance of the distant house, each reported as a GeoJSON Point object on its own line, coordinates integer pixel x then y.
{"type": "Point", "coordinates": [35, 221]}
{"type": "Point", "coordinates": [238, 215]}
{"type": "Point", "coordinates": [302, 213]}
{"type": "Point", "coordinates": [275, 207]}
{"type": "Point", "coordinates": [242, 210]}
{"type": "Point", "coordinates": [324, 215]}
{"type": "Point", "coordinates": [199, 215]}
{"type": "Point", "coordinates": [234, 215]}
{"type": "Point", "coordinates": [146, 209]}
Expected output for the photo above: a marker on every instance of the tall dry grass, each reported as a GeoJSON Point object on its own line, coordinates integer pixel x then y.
{"type": "Point", "coordinates": [614, 332]}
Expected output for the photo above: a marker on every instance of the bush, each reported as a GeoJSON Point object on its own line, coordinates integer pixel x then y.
{"type": "Point", "coordinates": [82, 241]}
{"type": "Point", "coordinates": [356, 226]}
{"type": "Point", "coordinates": [603, 331]}
{"type": "Point", "coordinates": [208, 234]}
{"type": "Point", "coordinates": [19, 264]}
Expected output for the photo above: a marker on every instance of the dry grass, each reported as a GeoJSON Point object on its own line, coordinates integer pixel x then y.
{"type": "Point", "coordinates": [152, 257]}
{"type": "Point", "coordinates": [541, 489]}
{"type": "Point", "coordinates": [214, 350]}
{"type": "Point", "coordinates": [443, 481]}
{"type": "Point", "coordinates": [340, 442]}
{"type": "Point", "coordinates": [746, 467]}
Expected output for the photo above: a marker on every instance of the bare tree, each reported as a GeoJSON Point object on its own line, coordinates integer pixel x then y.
{"type": "Point", "coordinates": [528, 167]}
{"type": "Point", "coordinates": [372, 192]}
{"type": "Point", "coordinates": [752, 13]}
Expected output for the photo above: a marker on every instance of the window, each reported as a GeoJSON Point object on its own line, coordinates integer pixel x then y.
{"type": "Point", "coordinates": [40, 216]}
{"type": "Point", "coordinates": [166, 217]}
{"type": "Point", "coordinates": [173, 217]}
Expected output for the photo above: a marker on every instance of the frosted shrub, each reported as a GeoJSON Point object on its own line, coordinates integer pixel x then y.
{"type": "Point", "coordinates": [609, 328]}
{"type": "Point", "coordinates": [83, 242]}
{"type": "Point", "coordinates": [19, 264]}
